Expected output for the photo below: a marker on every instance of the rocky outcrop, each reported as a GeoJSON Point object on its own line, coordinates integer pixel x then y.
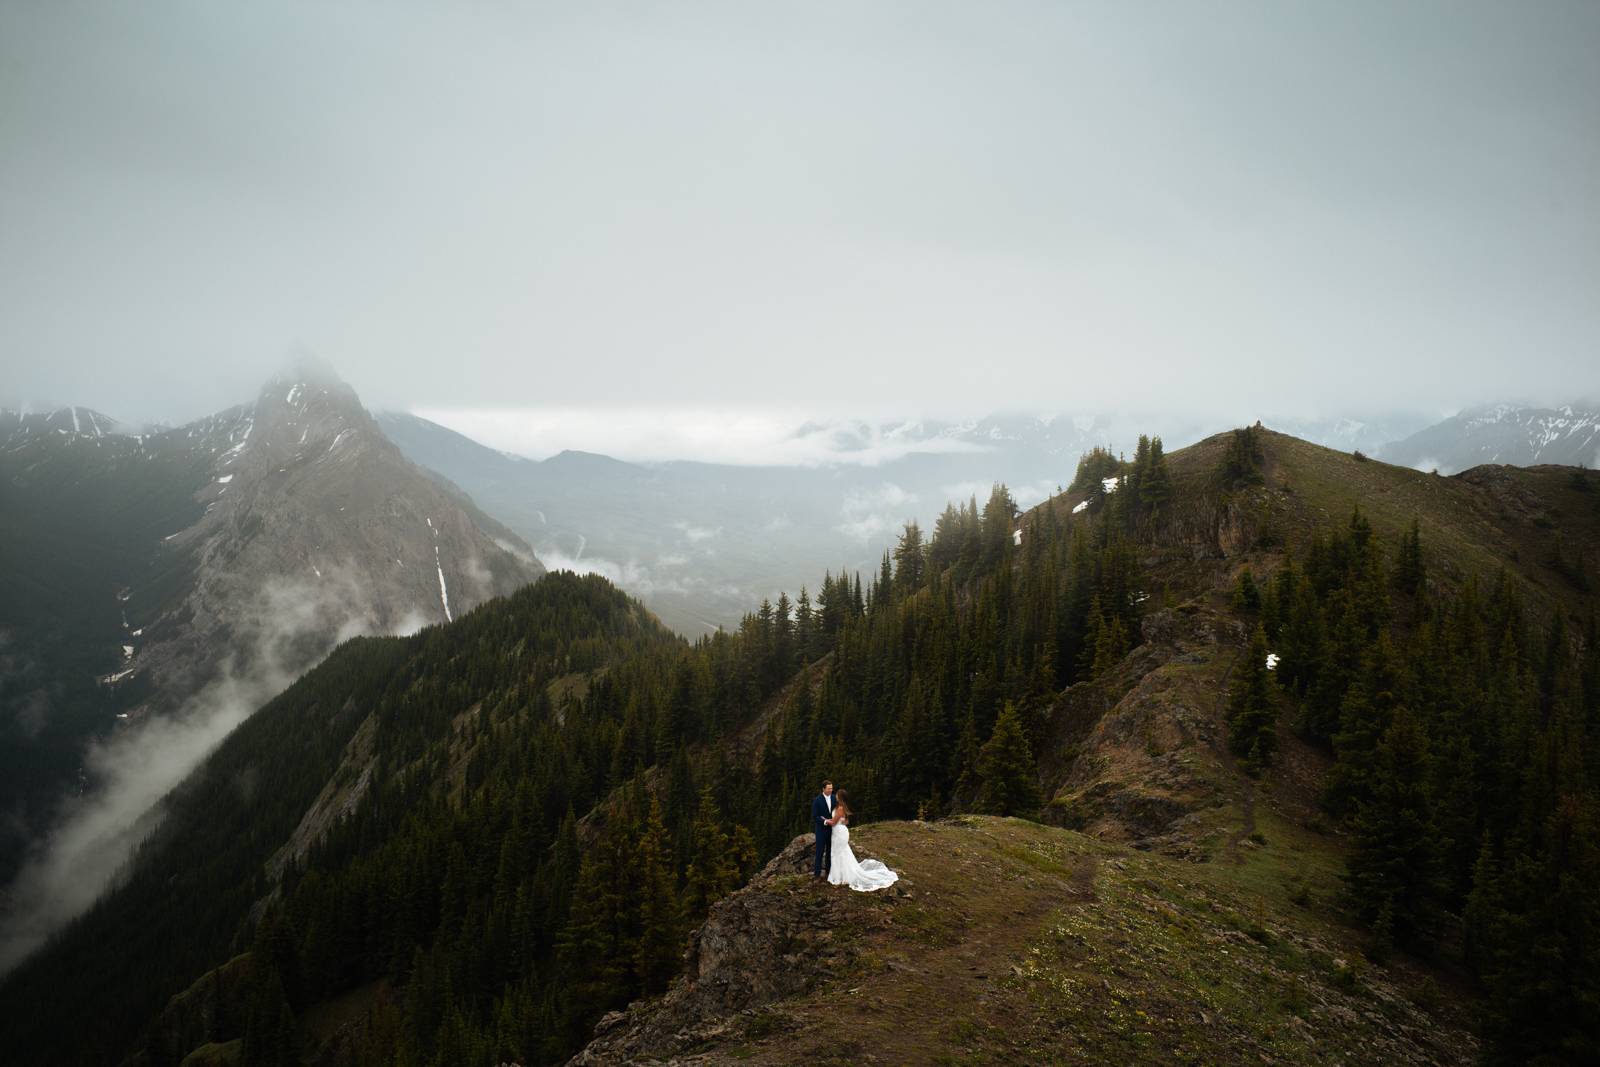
{"type": "Point", "coordinates": [338, 799]}
{"type": "Point", "coordinates": [774, 939]}
{"type": "Point", "coordinates": [1147, 742]}
{"type": "Point", "coordinates": [213, 1007]}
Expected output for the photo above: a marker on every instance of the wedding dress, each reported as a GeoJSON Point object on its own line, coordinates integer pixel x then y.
{"type": "Point", "coordinates": [867, 875]}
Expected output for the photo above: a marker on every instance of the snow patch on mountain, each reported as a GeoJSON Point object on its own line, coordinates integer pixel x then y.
{"type": "Point", "coordinates": [444, 593]}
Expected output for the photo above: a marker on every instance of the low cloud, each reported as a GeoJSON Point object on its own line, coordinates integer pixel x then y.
{"type": "Point", "coordinates": [16, 676]}
{"type": "Point", "coordinates": [631, 576]}
{"type": "Point", "coordinates": [95, 834]}
{"type": "Point", "coordinates": [32, 713]}
{"type": "Point", "coordinates": [411, 622]}
{"type": "Point", "coordinates": [887, 495]}
{"type": "Point", "coordinates": [961, 492]}
{"type": "Point", "coordinates": [867, 527]}
{"type": "Point", "coordinates": [1030, 493]}
{"type": "Point", "coordinates": [876, 512]}
{"type": "Point", "coordinates": [696, 534]}
{"type": "Point", "coordinates": [293, 624]}
{"type": "Point", "coordinates": [741, 438]}
{"type": "Point", "coordinates": [478, 574]}
{"type": "Point", "coordinates": [1026, 494]}
{"type": "Point", "coordinates": [518, 551]}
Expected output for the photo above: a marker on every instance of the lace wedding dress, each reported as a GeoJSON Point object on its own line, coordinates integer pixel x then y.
{"type": "Point", "coordinates": [867, 875]}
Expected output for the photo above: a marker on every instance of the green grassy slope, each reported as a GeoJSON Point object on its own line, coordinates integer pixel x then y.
{"type": "Point", "coordinates": [1475, 523]}
{"type": "Point", "coordinates": [1010, 942]}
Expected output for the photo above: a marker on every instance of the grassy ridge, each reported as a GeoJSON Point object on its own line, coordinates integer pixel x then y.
{"type": "Point", "coordinates": [1014, 942]}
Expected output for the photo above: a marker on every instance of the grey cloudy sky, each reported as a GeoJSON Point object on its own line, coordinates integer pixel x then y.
{"type": "Point", "coordinates": [914, 207]}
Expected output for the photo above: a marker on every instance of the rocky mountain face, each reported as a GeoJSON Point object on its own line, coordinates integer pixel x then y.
{"type": "Point", "coordinates": [142, 569]}
{"type": "Point", "coordinates": [1503, 433]}
{"type": "Point", "coordinates": [315, 526]}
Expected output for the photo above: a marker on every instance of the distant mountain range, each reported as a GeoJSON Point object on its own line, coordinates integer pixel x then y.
{"type": "Point", "coordinates": [1503, 433]}
{"type": "Point", "coordinates": [701, 543]}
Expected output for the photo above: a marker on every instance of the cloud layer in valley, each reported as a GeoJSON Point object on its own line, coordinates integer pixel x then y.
{"type": "Point", "coordinates": [132, 770]}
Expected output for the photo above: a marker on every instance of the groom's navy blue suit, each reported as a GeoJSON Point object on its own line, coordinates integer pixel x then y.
{"type": "Point", "coordinates": [819, 818]}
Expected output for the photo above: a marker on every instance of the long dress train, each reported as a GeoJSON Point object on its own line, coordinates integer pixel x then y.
{"type": "Point", "coordinates": [865, 875]}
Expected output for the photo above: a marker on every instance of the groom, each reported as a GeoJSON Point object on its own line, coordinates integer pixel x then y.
{"type": "Point", "coordinates": [821, 812]}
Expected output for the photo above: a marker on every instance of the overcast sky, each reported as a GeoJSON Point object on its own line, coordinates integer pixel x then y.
{"type": "Point", "coordinates": [902, 208]}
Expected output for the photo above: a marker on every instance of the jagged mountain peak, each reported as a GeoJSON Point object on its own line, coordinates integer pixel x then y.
{"type": "Point", "coordinates": [304, 414]}
{"type": "Point", "coordinates": [309, 381]}
{"type": "Point", "coordinates": [310, 369]}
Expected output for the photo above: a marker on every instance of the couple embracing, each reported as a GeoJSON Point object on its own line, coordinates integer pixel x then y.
{"type": "Point", "coordinates": [830, 819]}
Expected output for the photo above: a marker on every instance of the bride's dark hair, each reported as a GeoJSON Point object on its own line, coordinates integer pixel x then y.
{"type": "Point", "coordinates": [841, 799]}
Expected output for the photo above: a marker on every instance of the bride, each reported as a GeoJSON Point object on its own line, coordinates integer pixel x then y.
{"type": "Point", "coordinates": [843, 869]}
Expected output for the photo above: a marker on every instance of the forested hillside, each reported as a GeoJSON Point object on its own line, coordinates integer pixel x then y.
{"type": "Point", "coordinates": [1400, 672]}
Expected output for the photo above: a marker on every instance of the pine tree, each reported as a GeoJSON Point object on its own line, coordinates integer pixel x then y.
{"type": "Point", "coordinates": [1242, 460]}
{"type": "Point", "coordinates": [660, 932]}
{"type": "Point", "coordinates": [783, 640]}
{"type": "Point", "coordinates": [805, 630]}
{"type": "Point", "coordinates": [1155, 486]}
{"type": "Point", "coordinates": [831, 606]}
{"type": "Point", "coordinates": [1544, 980]}
{"type": "Point", "coordinates": [1246, 595]}
{"type": "Point", "coordinates": [1141, 463]}
{"type": "Point", "coordinates": [1408, 568]}
{"type": "Point", "coordinates": [1252, 708]}
{"type": "Point", "coordinates": [1364, 717]}
{"type": "Point", "coordinates": [1094, 466]}
{"type": "Point", "coordinates": [743, 854]}
{"type": "Point", "coordinates": [714, 872]}
{"type": "Point", "coordinates": [1010, 780]}
{"type": "Point", "coordinates": [909, 559]}
{"type": "Point", "coordinates": [999, 515]}
{"type": "Point", "coordinates": [594, 952]}
{"type": "Point", "coordinates": [1393, 866]}
{"type": "Point", "coordinates": [964, 765]}
{"type": "Point", "coordinates": [1110, 645]}
{"type": "Point", "coordinates": [270, 1036]}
